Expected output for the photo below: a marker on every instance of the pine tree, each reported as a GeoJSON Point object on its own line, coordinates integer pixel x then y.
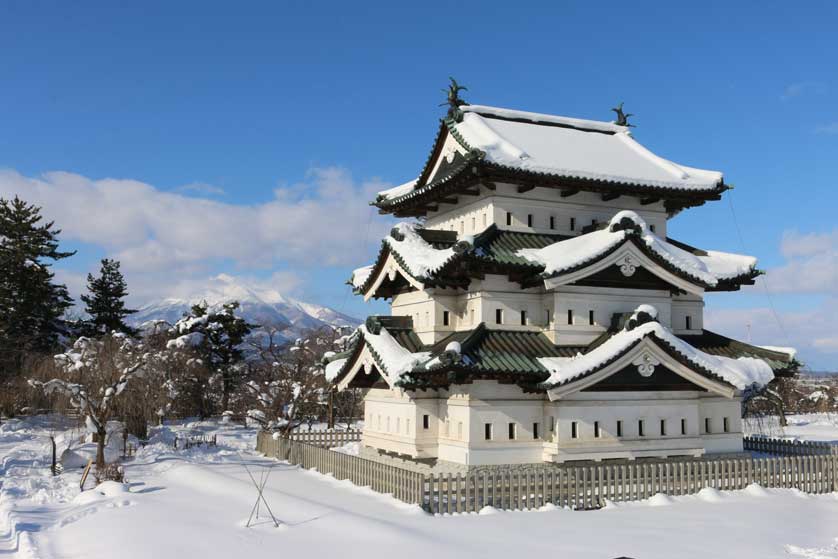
{"type": "Point", "coordinates": [105, 304]}
{"type": "Point", "coordinates": [217, 336]}
{"type": "Point", "coordinates": [31, 302]}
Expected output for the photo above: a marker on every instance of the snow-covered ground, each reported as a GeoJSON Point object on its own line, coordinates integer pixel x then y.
{"type": "Point", "coordinates": [195, 504]}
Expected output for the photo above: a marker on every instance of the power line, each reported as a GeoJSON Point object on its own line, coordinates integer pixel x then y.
{"type": "Point", "coordinates": [764, 282]}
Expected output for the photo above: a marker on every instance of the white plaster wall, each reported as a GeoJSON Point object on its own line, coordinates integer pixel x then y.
{"type": "Point", "coordinates": [473, 214]}
{"type": "Point", "coordinates": [684, 306]}
{"type": "Point", "coordinates": [457, 419]}
{"type": "Point", "coordinates": [607, 408]}
{"type": "Point", "coordinates": [605, 302]}
{"type": "Point", "coordinates": [394, 422]}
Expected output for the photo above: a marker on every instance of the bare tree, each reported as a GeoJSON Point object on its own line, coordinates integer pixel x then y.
{"type": "Point", "coordinates": [287, 386]}
{"type": "Point", "coordinates": [95, 374]}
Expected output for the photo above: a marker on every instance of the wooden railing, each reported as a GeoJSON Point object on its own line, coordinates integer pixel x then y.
{"type": "Point", "coordinates": [581, 487]}
{"type": "Point", "coordinates": [403, 484]}
{"type": "Point", "coordinates": [327, 439]}
{"type": "Point", "coordinates": [785, 447]}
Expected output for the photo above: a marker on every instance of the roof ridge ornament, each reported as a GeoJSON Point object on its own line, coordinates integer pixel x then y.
{"type": "Point", "coordinates": [453, 101]}
{"type": "Point", "coordinates": [622, 118]}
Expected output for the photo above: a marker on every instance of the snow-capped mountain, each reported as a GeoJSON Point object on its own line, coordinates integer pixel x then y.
{"type": "Point", "coordinates": [265, 307]}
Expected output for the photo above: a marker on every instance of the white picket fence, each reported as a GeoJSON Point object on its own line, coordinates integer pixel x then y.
{"type": "Point", "coordinates": [578, 487]}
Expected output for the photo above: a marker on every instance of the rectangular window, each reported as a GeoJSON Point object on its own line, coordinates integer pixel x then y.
{"type": "Point", "coordinates": [487, 431]}
{"type": "Point", "coordinates": [688, 322]}
{"type": "Point", "coordinates": [498, 316]}
{"type": "Point", "coordinates": [484, 219]}
{"type": "Point", "coordinates": [473, 224]}
{"type": "Point", "coordinates": [509, 218]}
{"type": "Point", "coordinates": [573, 224]}
{"type": "Point", "coordinates": [511, 431]}
{"type": "Point", "coordinates": [523, 318]}
{"type": "Point", "coordinates": [593, 223]}
{"type": "Point", "coordinates": [619, 427]}
{"type": "Point", "coordinates": [683, 426]}
{"type": "Point", "coordinates": [529, 220]}
{"type": "Point", "coordinates": [596, 429]}
{"type": "Point", "coordinates": [574, 430]}
{"type": "Point", "coordinates": [652, 228]}
{"type": "Point", "coordinates": [552, 222]}
{"type": "Point", "coordinates": [427, 319]}
{"type": "Point", "coordinates": [640, 430]}
{"type": "Point", "coordinates": [725, 425]}
{"type": "Point", "coordinates": [471, 313]}
{"type": "Point", "coordinates": [591, 318]}
{"type": "Point", "coordinates": [552, 423]}
{"type": "Point", "coordinates": [547, 314]}
{"type": "Point", "coordinates": [426, 421]}
{"type": "Point", "coordinates": [663, 427]}
{"type": "Point", "coordinates": [445, 318]}
{"type": "Point", "coordinates": [570, 316]}
{"type": "Point", "coordinates": [535, 433]}
{"type": "Point", "coordinates": [706, 424]}
{"type": "Point", "coordinates": [460, 430]}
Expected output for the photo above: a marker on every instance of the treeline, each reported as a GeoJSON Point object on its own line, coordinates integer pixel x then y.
{"type": "Point", "coordinates": [210, 362]}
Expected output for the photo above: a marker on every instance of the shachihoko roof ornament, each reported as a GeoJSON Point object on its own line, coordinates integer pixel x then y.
{"type": "Point", "coordinates": [622, 118]}
{"type": "Point", "coordinates": [454, 102]}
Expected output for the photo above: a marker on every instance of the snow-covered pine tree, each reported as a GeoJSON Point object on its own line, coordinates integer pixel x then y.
{"type": "Point", "coordinates": [217, 335]}
{"type": "Point", "coordinates": [106, 300]}
{"type": "Point", "coordinates": [31, 302]}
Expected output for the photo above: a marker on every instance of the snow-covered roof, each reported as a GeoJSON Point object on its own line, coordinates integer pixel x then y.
{"type": "Point", "coordinates": [530, 359]}
{"type": "Point", "coordinates": [708, 267]}
{"type": "Point", "coordinates": [541, 145]}
{"type": "Point", "coordinates": [743, 372]}
{"type": "Point", "coordinates": [419, 257]}
{"type": "Point", "coordinates": [572, 147]}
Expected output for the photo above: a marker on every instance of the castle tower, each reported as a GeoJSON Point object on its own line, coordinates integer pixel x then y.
{"type": "Point", "coordinates": [540, 312]}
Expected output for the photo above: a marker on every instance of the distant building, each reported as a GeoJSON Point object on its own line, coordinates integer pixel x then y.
{"type": "Point", "coordinates": [540, 311]}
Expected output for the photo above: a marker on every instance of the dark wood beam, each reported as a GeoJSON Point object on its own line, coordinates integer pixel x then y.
{"type": "Point", "coordinates": [452, 200]}
{"type": "Point", "coordinates": [568, 192]}
{"type": "Point", "coordinates": [607, 196]}
{"type": "Point", "coordinates": [525, 188]}
{"type": "Point", "coordinates": [649, 200]}
{"type": "Point", "coordinates": [471, 191]}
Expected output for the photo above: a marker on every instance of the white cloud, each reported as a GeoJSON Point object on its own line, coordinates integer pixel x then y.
{"type": "Point", "coordinates": [829, 128]}
{"type": "Point", "coordinates": [169, 243]}
{"type": "Point", "coordinates": [812, 264]}
{"type": "Point", "coordinates": [810, 331]}
{"type": "Point", "coordinates": [201, 188]}
{"type": "Point", "coordinates": [149, 230]}
{"type": "Point", "coordinates": [800, 88]}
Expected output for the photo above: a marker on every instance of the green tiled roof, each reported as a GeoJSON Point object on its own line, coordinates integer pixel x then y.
{"type": "Point", "coordinates": [716, 344]}
{"type": "Point", "coordinates": [500, 247]}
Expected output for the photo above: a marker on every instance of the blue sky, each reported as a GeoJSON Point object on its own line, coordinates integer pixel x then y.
{"type": "Point", "coordinates": [287, 116]}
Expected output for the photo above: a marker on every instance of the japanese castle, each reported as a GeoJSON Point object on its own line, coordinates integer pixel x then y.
{"type": "Point", "coordinates": [540, 311]}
